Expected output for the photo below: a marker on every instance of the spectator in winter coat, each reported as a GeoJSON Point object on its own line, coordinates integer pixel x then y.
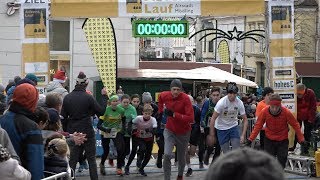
{"type": "Point", "coordinates": [6, 143]}
{"type": "Point", "coordinates": [24, 133]}
{"type": "Point", "coordinates": [10, 168]}
{"type": "Point", "coordinates": [56, 85]}
{"type": "Point", "coordinates": [55, 160]}
{"type": "Point", "coordinates": [2, 95]}
{"type": "Point", "coordinates": [77, 109]}
{"type": "Point", "coordinates": [177, 106]}
{"type": "Point", "coordinates": [277, 119]}
{"type": "Point", "coordinates": [306, 113]}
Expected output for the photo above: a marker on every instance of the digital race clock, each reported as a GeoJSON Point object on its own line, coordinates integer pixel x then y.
{"type": "Point", "coordinates": [159, 28]}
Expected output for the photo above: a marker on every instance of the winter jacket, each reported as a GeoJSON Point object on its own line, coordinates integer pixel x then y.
{"type": "Point", "coordinates": [77, 109]}
{"type": "Point", "coordinates": [54, 165]}
{"type": "Point", "coordinates": [6, 142]}
{"type": "Point", "coordinates": [11, 170]}
{"type": "Point", "coordinates": [56, 87]}
{"type": "Point", "coordinates": [307, 106]}
{"type": "Point", "coordinates": [276, 126]}
{"type": "Point", "coordinates": [26, 138]}
{"type": "Point", "coordinates": [206, 112]}
{"type": "Point", "coordinates": [183, 112]}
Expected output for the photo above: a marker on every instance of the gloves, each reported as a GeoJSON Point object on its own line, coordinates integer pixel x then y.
{"type": "Point", "coordinates": [248, 143]}
{"type": "Point", "coordinates": [168, 112]}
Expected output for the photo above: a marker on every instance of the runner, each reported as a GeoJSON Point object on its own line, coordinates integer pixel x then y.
{"type": "Point", "coordinates": [179, 112]}
{"type": "Point", "coordinates": [225, 120]}
{"type": "Point", "coordinates": [206, 114]}
{"type": "Point", "coordinates": [277, 119]}
{"type": "Point", "coordinates": [111, 125]}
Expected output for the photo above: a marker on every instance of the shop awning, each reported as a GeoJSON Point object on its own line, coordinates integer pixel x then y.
{"type": "Point", "coordinates": [110, 8]}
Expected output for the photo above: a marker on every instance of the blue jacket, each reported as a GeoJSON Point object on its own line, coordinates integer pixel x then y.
{"type": "Point", "coordinates": [206, 112]}
{"type": "Point", "coordinates": [26, 138]}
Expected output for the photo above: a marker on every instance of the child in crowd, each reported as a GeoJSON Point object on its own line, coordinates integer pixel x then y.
{"type": "Point", "coordinates": [111, 125]}
{"type": "Point", "coordinates": [10, 168]}
{"type": "Point", "coordinates": [56, 160]}
{"type": "Point", "coordinates": [146, 127]}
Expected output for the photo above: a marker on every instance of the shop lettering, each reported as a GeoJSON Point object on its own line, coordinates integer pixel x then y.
{"type": "Point", "coordinates": [158, 9]}
{"type": "Point", "coordinates": [283, 84]}
{"type": "Point", "coordinates": [34, 1]}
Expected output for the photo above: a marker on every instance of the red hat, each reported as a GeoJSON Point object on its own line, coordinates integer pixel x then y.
{"type": "Point", "coordinates": [26, 95]}
{"type": "Point", "coordinates": [59, 76]}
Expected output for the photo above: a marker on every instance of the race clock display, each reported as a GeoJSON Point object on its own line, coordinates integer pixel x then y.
{"type": "Point", "coordinates": [159, 28]}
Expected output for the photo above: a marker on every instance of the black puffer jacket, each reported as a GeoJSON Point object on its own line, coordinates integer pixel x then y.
{"type": "Point", "coordinates": [54, 165]}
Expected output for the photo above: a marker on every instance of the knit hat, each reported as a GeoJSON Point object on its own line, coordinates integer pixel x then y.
{"type": "Point", "coordinates": [53, 115]}
{"type": "Point", "coordinates": [60, 76]}
{"type": "Point", "coordinates": [245, 164]}
{"type": "Point", "coordinates": [4, 154]}
{"type": "Point", "coordinates": [176, 83]}
{"type": "Point", "coordinates": [26, 95]}
{"type": "Point", "coordinates": [32, 77]}
{"type": "Point", "coordinates": [16, 79]}
{"type": "Point", "coordinates": [82, 78]}
{"type": "Point", "coordinates": [146, 97]}
{"type": "Point", "coordinates": [114, 97]}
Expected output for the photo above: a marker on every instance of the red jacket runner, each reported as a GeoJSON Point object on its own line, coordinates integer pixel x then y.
{"type": "Point", "coordinates": [277, 126]}
{"type": "Point", "coordinates": [183, 112]}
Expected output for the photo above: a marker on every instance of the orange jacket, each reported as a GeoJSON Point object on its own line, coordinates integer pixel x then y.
{"type": "Point", "coordinates": [277, 126]}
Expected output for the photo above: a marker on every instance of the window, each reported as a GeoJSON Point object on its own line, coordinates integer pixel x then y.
{"type": "Point", "coordinates": [205, 43]}
{"type": "Point", "coordinates": [59, 43]}
{"type": "Point", "coordinates": [262, 41]}
{"type": "Point", "coordinates": [251, 41]}
{"type": "Point", "coordinates": [211, 46]}
{"type": "Point", "coordinates": [59, 36]}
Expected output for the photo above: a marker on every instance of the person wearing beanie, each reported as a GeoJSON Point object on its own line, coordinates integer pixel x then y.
{"type": "Point", "coordinates": [277, 118]}
{"type": "Point", "coordinates": [10, 168]}
{"type": "Point", "coordinates": [56, 85]}
{"type": "Point", "coordinates": [225, 120]}
{"type": "Point", "coordinates": [245, 164]}
{"type": "Point", "coordinates": [77, 109]}
{"type": "Point", "coordinates": [32, 77]}
{"type": "Point", "coordinates": [177, 106]}
{"type": "Point", "coordinates": [24, 133]}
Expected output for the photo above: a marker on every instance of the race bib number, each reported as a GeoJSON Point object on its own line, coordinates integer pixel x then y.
{"type": "Point", "coordinates": [230, 114]}
{"type": "Point", "coordinates": [113, 133]}
{"type": "Point", "coordinates": [144, 134]}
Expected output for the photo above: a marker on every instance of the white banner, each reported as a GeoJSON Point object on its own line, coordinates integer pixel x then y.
{"type": "Point", "coordinates": [283, 73]}
{"type": "Point", "coordinates": [290, 105]}
{"type": "Point", "coordinates": [159, 8]}
{"type": "Point", "coordinates": [279, 62]}
{"type": "Point", "coordinates": [287, 96]}
{"type": "Point", "coordinates": [34, 23]}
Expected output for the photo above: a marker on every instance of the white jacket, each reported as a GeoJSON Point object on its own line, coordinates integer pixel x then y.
{"type": "Point", "coordinates": [11, 170]}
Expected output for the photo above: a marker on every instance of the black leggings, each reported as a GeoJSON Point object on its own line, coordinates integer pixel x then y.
{"type": "Point", "coordinates": [119, 144]}
{"type": "Point", "coordinates": [145, 148]}
{"type": "Point", "coordinates": [126, 145]}
{"type": "Point", "coordinates": [203, 146]}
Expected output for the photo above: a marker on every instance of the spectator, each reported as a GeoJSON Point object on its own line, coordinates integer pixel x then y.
{"type": "Point", "coordinates": [306, 114]}
{"type": "Point", "coordinates": [10, 168]}
{"type": "Point", "coordinates": [6, 143]}
{"type": "Point", "coordinates": [245, 164]}
{"type": "Point", "coordinates": [77, 109]}
{"type": "Point", "coordinates": [33, 78]}
{"type": "Point", "coordinates": [24, 133]}
{"type": "Point", "coordinates": [56, 85]}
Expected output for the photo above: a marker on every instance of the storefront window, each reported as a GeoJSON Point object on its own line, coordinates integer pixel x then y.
{"type": "Point", "coordinates": [60, 54]}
